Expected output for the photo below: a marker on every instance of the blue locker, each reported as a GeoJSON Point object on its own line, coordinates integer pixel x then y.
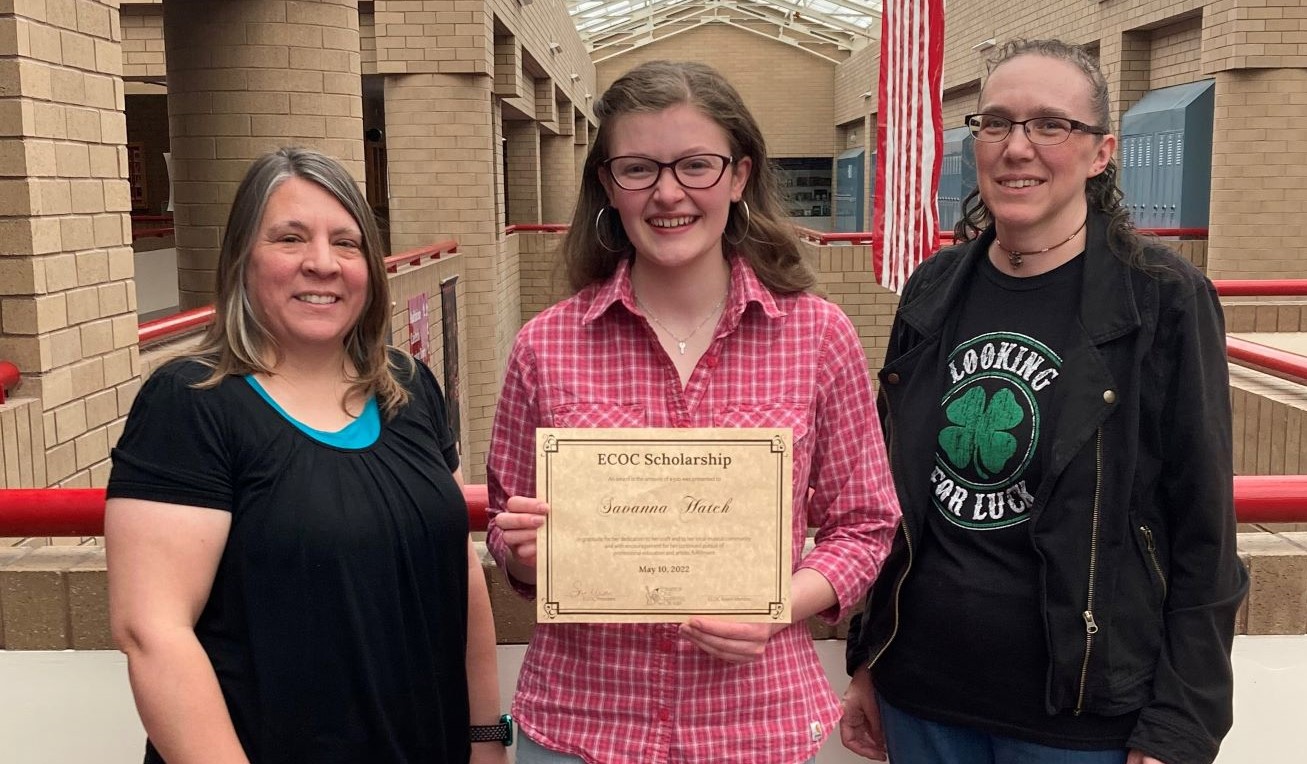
{"type": "Point", "coordinates": [1166, 156]}
{"type": "Point", "coordinates": [957, 175]}
{"type": "Point", "coordinates": [849, 201]}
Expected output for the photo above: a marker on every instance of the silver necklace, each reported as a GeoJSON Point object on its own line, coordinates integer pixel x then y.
{"type": "Point", "coordinates": [681, 341]}
{"type": "Point", "coordinates": [1014, 258]}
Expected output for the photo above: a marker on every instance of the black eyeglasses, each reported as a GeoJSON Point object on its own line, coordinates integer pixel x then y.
{"type": "Point", "coordinates": [697, 171]}
{"type": "Point", "coordinates": [1041, 131]}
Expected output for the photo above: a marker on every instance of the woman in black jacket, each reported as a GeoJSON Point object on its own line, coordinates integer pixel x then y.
{"type": "Point", "coordinates": [1055, 402]}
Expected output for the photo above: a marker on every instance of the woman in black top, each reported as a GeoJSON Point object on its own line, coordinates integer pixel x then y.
{"type": "Point", "coordinates": [290, 572]}
{"type": "Point", "coordinates": [1056, 406]}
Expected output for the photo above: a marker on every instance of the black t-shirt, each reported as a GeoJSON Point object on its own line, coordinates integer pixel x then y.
{"type": "Point", "coordinates": [970, 648]}
{"type": "Point", "coordinates": [337, 621]}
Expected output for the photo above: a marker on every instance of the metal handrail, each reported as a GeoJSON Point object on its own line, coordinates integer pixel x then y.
{"type": "Point", "coordinates": [415, 256]}
{"type": "Point", "coordinates": [28, 512]}
{"type": "Point", "coordinates": [175, 325]}
{"type": "Point", "coordinates": [536, 228]}
{"type": "Point", "coordinates": [1272, 359]}
{"type": "Point", "coordinates": [1261, 287]}
{"type": "Point", "coordinates": [79, 512]}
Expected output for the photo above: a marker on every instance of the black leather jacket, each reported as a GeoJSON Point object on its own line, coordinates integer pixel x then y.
{"type": "Point", "coordinates": [1140, 578]}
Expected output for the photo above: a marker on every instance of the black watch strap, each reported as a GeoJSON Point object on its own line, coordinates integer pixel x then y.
{"type": "Point", "coordinates": [493, 733]}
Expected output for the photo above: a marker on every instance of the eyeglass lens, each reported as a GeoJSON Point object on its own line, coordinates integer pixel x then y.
{"type": "Point", "coordinates": [696, 171]}
{"type": "Point", "coordinates": [1045, 131]}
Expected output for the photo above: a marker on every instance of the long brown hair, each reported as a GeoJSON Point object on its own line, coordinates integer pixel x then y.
{"type": "Point", "coordinates": [596, 242]}
{"type": "Point", "coordinates": [237, 342]}
{"type": "Point", "coordinates": [1103, 191]}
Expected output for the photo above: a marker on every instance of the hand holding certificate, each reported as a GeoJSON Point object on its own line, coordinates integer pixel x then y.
{"type": "Point", "coordinates": [654, 525]}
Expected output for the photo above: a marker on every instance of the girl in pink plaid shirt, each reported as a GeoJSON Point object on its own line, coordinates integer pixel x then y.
{"type": "Point", "coordinates": [692, 308]}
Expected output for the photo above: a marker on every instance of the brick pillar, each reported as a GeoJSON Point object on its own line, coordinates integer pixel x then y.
{"type": "Point", "coordinates": [443, 185]}
{"type": "Point", "coordinates": [1126, 61]}
{"type": "Point", "coordinates": [523, 171]}
{"type": "Point", "coordinates": [558, 177]}
{"type": "Point", "coordinates": [245, 77]}
{"type": "Point", "coordinates": [67, 300]}
{"type": "Point", "coordinates": [1259, 174]}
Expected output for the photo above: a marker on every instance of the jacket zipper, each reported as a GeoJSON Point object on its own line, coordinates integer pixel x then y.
{"type": "Point", "coordinates": [907, 537]}
{"type": "Point", "coordinates": [1091, 627]}
{"type": "Point", "coordinates": [1152, 555]}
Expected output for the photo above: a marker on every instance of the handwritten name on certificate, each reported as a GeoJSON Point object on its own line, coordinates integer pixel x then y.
{"type": "Point", "coordinates": [651, 525]}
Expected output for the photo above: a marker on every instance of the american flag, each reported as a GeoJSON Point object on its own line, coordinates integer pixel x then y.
{"type": "Point", "coordinates": [909, 138]}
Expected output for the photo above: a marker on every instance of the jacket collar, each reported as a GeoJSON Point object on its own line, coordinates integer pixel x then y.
{"type": "Point", "coordinates": [1107, 300]}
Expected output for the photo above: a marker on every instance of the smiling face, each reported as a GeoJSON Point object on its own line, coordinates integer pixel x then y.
{"type": "Point", "coordinates": [1036, 194]}
{"type": "Point", "coordinates": [307, 277]}
{"type": "Point", "coordinates": [669, 225]}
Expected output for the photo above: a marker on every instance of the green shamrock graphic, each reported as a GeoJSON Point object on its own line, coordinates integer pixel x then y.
{"type": "Point", "coordinates": [979, 430]}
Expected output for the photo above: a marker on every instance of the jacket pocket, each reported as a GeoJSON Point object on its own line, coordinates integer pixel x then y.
{"type": "Point", "coordinates": [596, 415]}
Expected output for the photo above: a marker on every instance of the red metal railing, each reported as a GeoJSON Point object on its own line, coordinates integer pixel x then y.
{"type": "Point", "coordinates": [415, 256]}
{"type": "Point", "coordinates": [10, 378]}
{"type": "Point", "coordinates": [946, 237]}
{"type": "Point", "coordinates": [1272, 359]}
{"type": "Point", "coordinates": [1261, 287]}
{"type": "Point", "coordinates": [80, 511]}
{"type": "Point", "coordinates": [175, 325]}
{"type": "Point", "coordinates": [536, 228]}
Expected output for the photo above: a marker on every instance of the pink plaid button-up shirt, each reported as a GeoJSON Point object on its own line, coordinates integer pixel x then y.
{"type": "Point", "coordinates": [639, 692]}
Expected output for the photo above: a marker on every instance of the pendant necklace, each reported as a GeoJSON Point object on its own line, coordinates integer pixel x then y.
{"type": "Point", "coordinates": [681, 341]}
{"type": "Point", "coordinates": [1014, 258]}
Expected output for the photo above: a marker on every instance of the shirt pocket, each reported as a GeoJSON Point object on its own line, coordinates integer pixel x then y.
{"type": "Point", "coordinates": [597, 415]}
{"type": "Point", "coordinates": [791, 415]}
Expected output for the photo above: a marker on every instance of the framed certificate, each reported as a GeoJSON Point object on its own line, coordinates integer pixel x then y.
{"type": "Point", "coordinates": [658, 525]}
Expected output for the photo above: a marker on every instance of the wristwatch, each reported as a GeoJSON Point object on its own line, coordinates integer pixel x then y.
{"type": "Point", "coordinates": [494, 733]}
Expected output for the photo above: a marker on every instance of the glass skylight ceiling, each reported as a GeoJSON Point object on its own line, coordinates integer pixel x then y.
{"type": "Point", "coordinates": [845, 24]}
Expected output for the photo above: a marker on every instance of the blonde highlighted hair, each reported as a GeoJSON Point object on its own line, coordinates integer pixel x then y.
{"type": "Point", "coordinates": [238, 343]}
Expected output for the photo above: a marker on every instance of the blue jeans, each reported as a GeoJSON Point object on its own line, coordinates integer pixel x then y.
{"type": "Point", "coordinates": [531, 752]}
{"type": "Point", "coordinates": [913, 740]}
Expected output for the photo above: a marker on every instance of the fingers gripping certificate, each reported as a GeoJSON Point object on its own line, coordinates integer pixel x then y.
{"type": "Point", "coordinates": [653, 525]}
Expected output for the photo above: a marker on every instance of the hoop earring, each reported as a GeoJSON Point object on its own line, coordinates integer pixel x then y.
{"type": "Point", "coordinates": [599, 230]}
{"type": "Point", "coordinates": [748, 221]}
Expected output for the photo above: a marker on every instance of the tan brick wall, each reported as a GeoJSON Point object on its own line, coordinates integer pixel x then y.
{"type": "Point", "coordinates": [1242, 34]}
{"type": "Point", "coordinates": [67, 300]}
{"type": "Point", "coordinates": [463, 36]}
{"type": "Point", "coordinates": [1259, 174]}
{"type": "Point", "coordinates": [524, 179]}
{"type": "Point", "coordinates": [1176, 53]}
{"type": "Point", "coordinates": [1270, 420]}
{"type": "Point", "coordinates": [143, 54]}
{"type": "Point", "coordinates": [557, 178]}
{"type": "Point", "coordinates": [542, 279]}
{"type": "Point", "coordinates": [443, 185]}
{"type": "Point", "coordinates": [245, 78]}
{"type": "Point", "coordinates": [789, 91]}
{"type": "Point", "coordinates": [845, 276]}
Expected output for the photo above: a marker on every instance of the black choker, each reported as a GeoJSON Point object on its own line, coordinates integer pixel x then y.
{"type": "Point", "coordinates": [1014, 258]}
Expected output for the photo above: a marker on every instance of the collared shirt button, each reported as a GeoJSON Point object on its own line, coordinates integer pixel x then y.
{"type": "Point", "coordinates": [664, 715]}
{"type": "Point", "coordinates": [892, 378]}
{"type": "Point", "coordinates": [1109, 396]}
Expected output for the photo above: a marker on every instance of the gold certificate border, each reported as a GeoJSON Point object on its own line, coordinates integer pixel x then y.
{"type": "Point", "coordinates": [552, 605]}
